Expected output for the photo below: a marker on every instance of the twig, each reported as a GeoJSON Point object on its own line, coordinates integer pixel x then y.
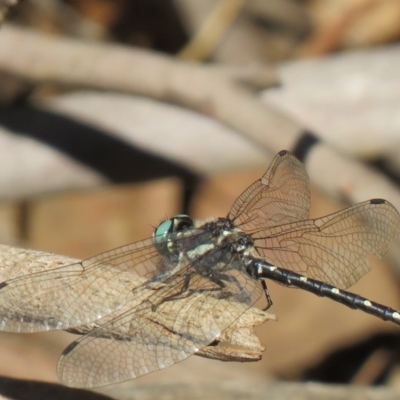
{"type": "Point", "coordinates": [42, 58]}
{"type": "Point", "coordinates": [5, 6]}
{"type": "Point", "coordinates": [329, 38]}
{"type": "Point", "coordinates": [207, 38]}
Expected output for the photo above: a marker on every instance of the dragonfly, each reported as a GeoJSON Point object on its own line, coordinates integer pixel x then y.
{"type": "Point", "coordinates": [148, 305]}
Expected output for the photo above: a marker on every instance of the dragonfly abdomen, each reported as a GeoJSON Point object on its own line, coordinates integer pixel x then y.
{"type": "Point", "coordinates": [264, 270]}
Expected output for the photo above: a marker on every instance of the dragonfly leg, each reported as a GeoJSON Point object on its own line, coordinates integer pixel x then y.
{"type": "Point", "coordinates": [185, 292]}
{"type": "Point", "coordinates": [220, 280]}
{"type": "Point", "coordinates": [267, 295]}
{"type": "Point", "coordinates": [178, 295]}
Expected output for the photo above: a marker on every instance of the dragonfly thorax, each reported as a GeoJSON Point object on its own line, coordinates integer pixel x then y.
{"type": "Point", "coordinates": [228, 236]}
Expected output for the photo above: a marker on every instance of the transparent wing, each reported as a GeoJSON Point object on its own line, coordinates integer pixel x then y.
{"type": "Point", "coordinates": [156, 333]}
{"type": "Point", "coordinates": [332, 249]}
{"type": "Point", "coordinates": [281, 196]}
{"type": "Point", "coordinates": [80, 293]}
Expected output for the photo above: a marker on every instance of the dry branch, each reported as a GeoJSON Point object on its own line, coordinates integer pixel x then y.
{"type": "Point", "coordinates": [5, 6]}
{"type": "Point", "coordinates": [43, 58]}
{"type": "Point", "coordinates": [252, 391]}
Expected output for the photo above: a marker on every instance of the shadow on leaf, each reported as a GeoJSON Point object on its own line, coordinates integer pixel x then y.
{"type": "Point", "coordinates": [20, 389]}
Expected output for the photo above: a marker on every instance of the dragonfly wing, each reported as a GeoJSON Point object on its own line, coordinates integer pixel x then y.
{"type": "Point", "coordinates": [281, 196]}
{"type": "Point", "coordinates": [80, 293]}
{"type": "Point", "coordinates": [157, 333]}
{"type": "Point", "coordinates": [332, 249]}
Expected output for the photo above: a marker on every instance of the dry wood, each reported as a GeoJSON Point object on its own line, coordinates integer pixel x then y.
{"type": "Point", "coordinates": [206, 39]}
{"type": "Point", "coordinates": [203, 89]}
{"type": "Point", "coordinates": [42, 58]}
{"type": "Point", "coordinates": [221, 390]}
{"type": "Point", "coordinates": [252, 391]}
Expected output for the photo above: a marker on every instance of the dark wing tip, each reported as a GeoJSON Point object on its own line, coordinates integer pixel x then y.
{"type": "Point", "coordinates": [3, 284]}
{"type": "Point", "coordinates": [69, 348]}
{"type": "Point", "coordinates": [377, 201]}
{"type": "Point", "coordinates": [283, 153]}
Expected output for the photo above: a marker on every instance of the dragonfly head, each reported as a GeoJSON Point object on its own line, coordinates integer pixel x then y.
{"type": "Point", "coordinates": [167, 229]}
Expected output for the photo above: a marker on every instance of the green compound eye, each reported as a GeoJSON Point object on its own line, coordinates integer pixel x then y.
{"type": "Point", "coordinates": [162, 234]}
{"type": "Point", "coordinates": [175, 224]}
{"type": "Point", "coordinates": [162, 229]}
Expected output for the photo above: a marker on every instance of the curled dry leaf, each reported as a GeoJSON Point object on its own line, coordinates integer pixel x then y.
{"type": "Point", "coordinates": [237, 343]}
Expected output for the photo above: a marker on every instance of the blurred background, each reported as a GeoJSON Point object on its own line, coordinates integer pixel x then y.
{"type": "Point", "coordinates": [115, 115]}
